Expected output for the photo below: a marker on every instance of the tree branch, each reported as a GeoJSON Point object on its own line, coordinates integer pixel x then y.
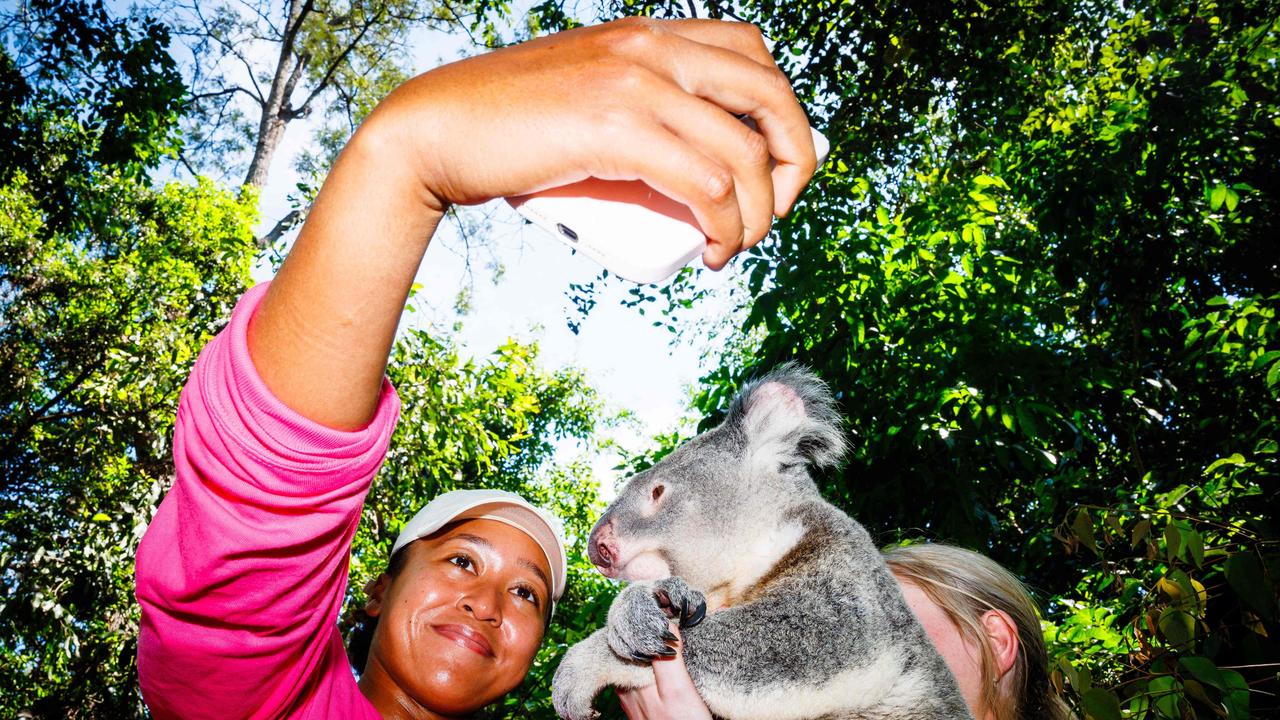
{"type": "Point", "coordinates": [38, 416]}
{"type": "Point", "coordinates": [224, 92]}
{"type": "Point", "coordinates": [229, 49]}
{"type": "Point", "coordinates": [286, 223]}
{"type": "Point", "coordinates": [337, 62]}
{"type": "Point", "coordinates": [285, 77]}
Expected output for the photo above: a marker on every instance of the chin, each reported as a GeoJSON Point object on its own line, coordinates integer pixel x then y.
{"type": "Point", "coordinates": [452, 698]}
{"type": "Point", "coordinates": [645, 567]}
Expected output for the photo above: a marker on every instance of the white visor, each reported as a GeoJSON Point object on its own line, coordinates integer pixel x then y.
{"type": "Point", "coordinates": [501, 506]}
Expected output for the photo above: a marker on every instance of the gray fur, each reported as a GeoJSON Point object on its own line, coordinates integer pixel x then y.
{"type": "Point", "coordinates": [807, 621]}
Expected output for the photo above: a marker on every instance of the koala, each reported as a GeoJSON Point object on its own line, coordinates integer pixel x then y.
{"type": "Point", "coordinates": [787, 610]}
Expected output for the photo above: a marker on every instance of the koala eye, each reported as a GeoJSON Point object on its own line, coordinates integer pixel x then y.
{"type": "Point", "coordinates": [658, 490]}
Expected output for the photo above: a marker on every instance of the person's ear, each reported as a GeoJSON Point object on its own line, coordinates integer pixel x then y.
{"type": "Point", "coordinates": [375, 590]}
{"type": "Point", "coordinates": [1002, 637]}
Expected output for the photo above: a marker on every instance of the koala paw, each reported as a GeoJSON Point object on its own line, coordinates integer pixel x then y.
{"type": "Point", "coordinates": [638, 620]}
{"type": "Point", "coordinates": [575, 686]}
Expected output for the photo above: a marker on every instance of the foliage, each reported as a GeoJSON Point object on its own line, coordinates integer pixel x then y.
{"type": "Point", "coordinates": [109, 286]}
{"type": "Point", "coordinates": [1040, 273]}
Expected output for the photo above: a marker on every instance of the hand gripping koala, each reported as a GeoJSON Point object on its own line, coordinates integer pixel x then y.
{"type": "Point", "coordinates": [806, 621]}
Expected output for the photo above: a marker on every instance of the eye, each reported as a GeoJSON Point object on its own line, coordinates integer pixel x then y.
{"type": "Point", "coordinates": [658, 490]}
{"type": "Point", "coordinates": [462, 561]}
{"type": "Point", "coordinates": [526, 594]}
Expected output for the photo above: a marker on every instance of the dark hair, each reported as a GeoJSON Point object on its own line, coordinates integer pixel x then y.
{"type": "Point", "coordinates": [361, 624]}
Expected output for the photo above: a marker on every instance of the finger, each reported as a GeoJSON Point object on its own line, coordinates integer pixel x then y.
{"type": "Point", "coordinates": [740, 85]}
{"type": "Point", "coordinates": [640, 150]}
{"type": "Point", "coordinates": [670, 674]}
{"type": "Point", "coordinates": [740, 37]}
{"type": "Point", "coordinates": [732, 144]}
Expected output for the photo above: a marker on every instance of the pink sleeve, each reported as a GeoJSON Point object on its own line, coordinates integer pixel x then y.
{"type": "Point", "coordinates": [241, 573]}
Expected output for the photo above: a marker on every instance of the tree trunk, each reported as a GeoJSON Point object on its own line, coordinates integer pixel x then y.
{"type": "Point", "coordinates": [276, 113]}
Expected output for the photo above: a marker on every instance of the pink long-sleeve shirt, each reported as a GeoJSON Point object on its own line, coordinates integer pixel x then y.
{"type": "Point", "coordinates": [242, 571]}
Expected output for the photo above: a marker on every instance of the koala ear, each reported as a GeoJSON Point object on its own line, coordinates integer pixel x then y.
{"type": "Point", "coordinates": [791, 408]}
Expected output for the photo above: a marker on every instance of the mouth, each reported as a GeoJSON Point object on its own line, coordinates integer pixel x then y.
{"type": "Point", "coordinates": [465, 637]}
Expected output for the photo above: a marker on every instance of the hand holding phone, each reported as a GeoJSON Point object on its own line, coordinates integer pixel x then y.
{"type": "Point", "coordinates": [628, 227]}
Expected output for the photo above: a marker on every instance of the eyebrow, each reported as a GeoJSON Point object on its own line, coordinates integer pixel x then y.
{"type": "Point", "coordinates": [522, 562]}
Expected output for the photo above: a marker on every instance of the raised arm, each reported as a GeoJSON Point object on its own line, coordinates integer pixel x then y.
{"type": "Point", "coordinates": [634, 99]}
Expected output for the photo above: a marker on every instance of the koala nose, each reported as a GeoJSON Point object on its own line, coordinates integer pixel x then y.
{"type": "Point", "coordinates": [603, 546]}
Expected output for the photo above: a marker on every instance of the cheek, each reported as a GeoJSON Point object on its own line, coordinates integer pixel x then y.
{"type": "Point", "coordinates": [964, 660]}
{"type": "Point", "coordinates": [521, 641]}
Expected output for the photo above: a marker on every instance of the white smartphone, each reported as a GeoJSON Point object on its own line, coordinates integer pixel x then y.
{"type": "Point", "coordinates": [628, 227]}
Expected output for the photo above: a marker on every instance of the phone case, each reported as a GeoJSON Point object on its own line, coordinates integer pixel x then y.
{"type": "Point", "coordinates": [634, 231]}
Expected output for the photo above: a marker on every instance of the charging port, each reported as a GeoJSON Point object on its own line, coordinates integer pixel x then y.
{"type": "Point", "coordinates": [567, 231]}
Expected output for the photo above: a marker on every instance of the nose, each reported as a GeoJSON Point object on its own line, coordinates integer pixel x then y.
{"type": "Point", "coordinates": [481, 603]}
{"type": "Point", "coordinates": [603, 546]}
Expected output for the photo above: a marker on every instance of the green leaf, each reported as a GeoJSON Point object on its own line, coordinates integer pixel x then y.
{"type": "Point", "coordinates": [1141, 531]}
{"type": "Point", "coordinates": [1082, 528]}
{"type": "Point", "coordinates": [1232, 459]}
{"type": "Point", "coordinates": [1265, 358]}
{"type": "Point", "coordinates": [101, 517]}
{"type": "Point", "coordinates": [1172, 542]}
{"type": "Point", "coordinates": [1100, 704]}
{"type": "Point", "coordinates": [1195, 546]}
{"type": "Point", "coordinates": [1245, 575]}
{"type": "Point", "coordinates": [1164, 691]}
{"type": "Point", "coordinates": [1204, 670]}
{"type": "Point", "coordinates": [1237, 695]}
{"type": "Point", "coordinates": [1217, 196]}
{"type": "Point", "coordinates": [1178, 626]}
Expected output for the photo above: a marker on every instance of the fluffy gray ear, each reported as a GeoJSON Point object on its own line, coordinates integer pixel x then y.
{"type": "Point", "coordinates": [793, 411]}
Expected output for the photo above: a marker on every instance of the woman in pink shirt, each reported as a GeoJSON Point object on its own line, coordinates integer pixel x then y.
{"type": "Point", "coordinates": [287, 414]}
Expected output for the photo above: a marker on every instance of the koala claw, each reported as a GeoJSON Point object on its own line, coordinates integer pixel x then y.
{"type": "Point", "coordinates": [692, 620]}
{"type": "Point", "coordinates": [678, 589]}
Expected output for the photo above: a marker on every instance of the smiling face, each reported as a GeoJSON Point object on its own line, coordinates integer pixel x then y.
{"type": "Point", "coordinates": [460, 623]}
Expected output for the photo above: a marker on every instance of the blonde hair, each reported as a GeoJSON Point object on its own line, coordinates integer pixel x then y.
{"type": "Point", "coordinates": [965, 585]}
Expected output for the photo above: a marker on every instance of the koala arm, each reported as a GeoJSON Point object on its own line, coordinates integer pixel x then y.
{"type": "Point", "coordinates": [589, 667]}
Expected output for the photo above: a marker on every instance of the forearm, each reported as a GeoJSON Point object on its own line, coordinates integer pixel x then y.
{"type": "Point", "coordinates": [321, 337]}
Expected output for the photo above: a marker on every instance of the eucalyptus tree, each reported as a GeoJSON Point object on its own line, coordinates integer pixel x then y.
{"type": "Point", "coordinates": [1040, 271]}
